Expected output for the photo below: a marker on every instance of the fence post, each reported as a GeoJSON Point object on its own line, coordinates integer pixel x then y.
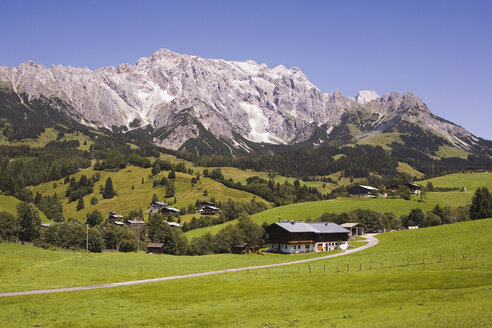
{"type": "Point", "coordinates": [360, 266]}
{"type": "Point", "coordinates": [309, 266]}
{"type": "Point", "coordinates": [348, 268]}
{"type": "Point", "coordinates": [324, 267]}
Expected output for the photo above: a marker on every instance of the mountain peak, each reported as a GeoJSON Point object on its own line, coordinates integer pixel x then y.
{"type": "Point", "coordinates": [366, 96]}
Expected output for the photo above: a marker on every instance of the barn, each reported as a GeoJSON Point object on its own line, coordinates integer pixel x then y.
{"type": "Point", "coordinates": [363, 191]}
{"type": "Point", "coordinates": [302, 237]}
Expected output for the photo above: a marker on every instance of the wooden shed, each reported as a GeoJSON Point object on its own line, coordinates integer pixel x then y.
{"type": "Point", "coordinates": [155, 248]}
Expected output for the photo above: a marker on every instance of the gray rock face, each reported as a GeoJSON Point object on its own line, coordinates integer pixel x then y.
{"type": "Point", "coordinates": [277, 105]}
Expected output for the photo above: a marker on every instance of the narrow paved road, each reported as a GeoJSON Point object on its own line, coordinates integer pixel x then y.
{"type": "Point", "coordinates": [372, 242]}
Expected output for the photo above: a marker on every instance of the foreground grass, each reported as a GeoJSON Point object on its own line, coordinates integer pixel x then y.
{"type": "Point", "coordinates": [424, 288]}
{"type": "Point", "coordinates": [26, 267]}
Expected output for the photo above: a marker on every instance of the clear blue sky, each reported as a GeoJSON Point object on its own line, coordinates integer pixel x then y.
{"type": "Point", "coordinates": [440, 50]}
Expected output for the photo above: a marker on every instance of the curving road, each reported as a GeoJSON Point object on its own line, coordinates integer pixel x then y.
{"type": "Point", "coordinates": [372, 242]}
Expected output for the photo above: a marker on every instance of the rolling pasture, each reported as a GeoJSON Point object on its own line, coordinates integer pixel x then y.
{"type": "Point", "coordinates": [431, 277]}
{"type": "Point", "coordinates": [9, 204]}
{"type": "Point", "coordinates": [140, 196]}
{"type": "Point", "coordinates": [312, 210]}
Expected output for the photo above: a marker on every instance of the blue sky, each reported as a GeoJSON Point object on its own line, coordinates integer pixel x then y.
{"type": "Point", "coordinates": [440, 50]}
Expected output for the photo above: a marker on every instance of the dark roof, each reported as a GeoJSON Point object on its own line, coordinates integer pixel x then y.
{"type": "Point", "coordinates": [159, 203]}
{"type": "Point", "coordinates": [155, 245]}
{"type": "Point", "coordinates": [367, 187]}
{"type": "Point", "coordinates": [413, 185]}
{"type": "Point", "coordinates": [316, 227]}
{"type": "Point", "coordinates": [136, 221]}
{"type": "Point", "coordinates": [171, 209]}
{"type": "Point", "coordinates": [209, 207]}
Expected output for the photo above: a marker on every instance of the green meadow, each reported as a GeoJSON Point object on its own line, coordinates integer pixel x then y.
{"type": "Point", "coordinates": [9, 204]}
{"type": "Point", "coordinates": [431, 277]}
{"type": "Point", "coordinates": [312, 210]}
{"type": "Point", "coordinates": [132, 194]}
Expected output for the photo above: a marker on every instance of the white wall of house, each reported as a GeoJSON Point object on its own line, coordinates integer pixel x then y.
{"type": "Point", "coordinates": [304, 248]}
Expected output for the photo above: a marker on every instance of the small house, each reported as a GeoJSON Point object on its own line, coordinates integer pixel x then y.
{"type": "Point", "coordinates": [155, 248]}
{"type": "Point", "coordinates": [363, 191]}
{"type": "Point", "coordinates": [156, 206]}
{"type": "Point", "coordinates": [302, 237]}
{"type": "Point", "coordinates": [205, 203]}
{"type": "Point", "coordinates": [173, 224]}
{"type": "Point", "coordinates": [167, 210]}
{"type": "Point", "coordinates": [356, 229]}
{"type": "Point", "coordinates": [208, 210]}
{"type": "Point", "coordinates": [115, 219]}
{"type": "Point", "coordinates": [414, 188]}
{"type": "Point", "coordinates": [135, 223]}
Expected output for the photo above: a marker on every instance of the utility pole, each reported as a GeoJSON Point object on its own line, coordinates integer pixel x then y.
{"type": "Point", "coordinates": [138, 240]}
{"type": "Point", "coordinates": [87, 239]}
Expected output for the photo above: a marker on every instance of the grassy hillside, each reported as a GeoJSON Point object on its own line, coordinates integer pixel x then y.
{"type": "Point", "coordinates": [129, 199]}
{"type": "Point", "coordinates": [48, 135]}
{"type": "Point", "coordinates": [432, 277]}
{"type": "Point", "coordinates": [470, 181]}
{"type": "Point", "coordinates": [9, 204]}
{"type": "Point", "coordinates": [312, 210]}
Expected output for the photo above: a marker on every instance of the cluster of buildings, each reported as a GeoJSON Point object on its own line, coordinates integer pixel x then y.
{"type": "Point", "coordinates": [206, 208]}
{"type": "Point", "coordinates": [372, 192]}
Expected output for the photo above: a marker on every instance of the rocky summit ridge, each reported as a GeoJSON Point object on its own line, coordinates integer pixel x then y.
{"type": "Point", "coordinates": [183, 97]}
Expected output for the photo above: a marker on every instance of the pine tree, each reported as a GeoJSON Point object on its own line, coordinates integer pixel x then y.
{"type": "Point", "coordinates": [154, 198]}
{"type": "Point", "coordinates": [80, 204]}
{"type": "Point", "coordinates": [108, 189]}
{"type": "Point", "coordinates": [481, 206]}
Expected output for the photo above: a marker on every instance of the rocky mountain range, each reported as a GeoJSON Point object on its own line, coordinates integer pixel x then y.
{"type": "Point", "coordinates": [190, 103]}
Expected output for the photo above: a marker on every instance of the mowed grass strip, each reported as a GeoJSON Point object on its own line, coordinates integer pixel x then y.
{"type": "Point", "coordinates": [438, 293]}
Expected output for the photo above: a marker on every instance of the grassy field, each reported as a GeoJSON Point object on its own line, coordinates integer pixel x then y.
{"type": "Point", "coordinates": [129, 199]}
{"type": "Point", "coordinates": [432, 277]}
{"type": "Point", "coordinates": [9, 204]}
{"type": "Point", "coordinates": [311, 210]}
{"type": "Point", "coordinates": [471, 181]}
{"type": "Point", "coordinates": [381, 139]}
{"type": "Point", "coordinates": [48, 135]}
{"type": "Point", "coordinates": [26, 267]}
{"type": "Point", "coordinates": [405, 168]}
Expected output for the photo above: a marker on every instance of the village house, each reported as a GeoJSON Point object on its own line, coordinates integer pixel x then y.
{"type": "Point", "coordinates": [155, 248]}
{"type": "Point", "coordinates": [206, 203]}
{"type": "Point", "coordinates": [135, 223]}
{"type": "Point", "coordinates": [414, 188]}
{"type": "Point", "coordinates": [356, 229]}
{"type": "Point", "coordinates": [173, 224]}
{"type": "Point", "coordinates": [167, 210]}
{"type": "Point", "coordinates": [156, 206]}
{"type": "Point", "coordinates": [363, 191]}
{"type": "Point", "coordinates": [302, 237]}
{"type": "Point", "coordinates": [115, 219]}
{"type": "Point", "coordinates": [208, 210]}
